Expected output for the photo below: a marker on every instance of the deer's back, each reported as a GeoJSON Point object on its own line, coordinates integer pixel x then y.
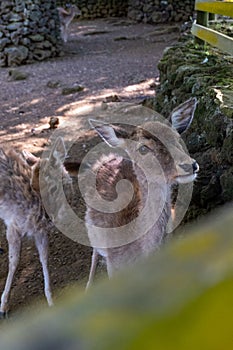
{"type": "Point", "coordinates": [18, 201]}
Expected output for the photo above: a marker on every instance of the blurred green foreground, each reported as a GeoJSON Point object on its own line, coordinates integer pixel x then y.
{"type": "Point", "coordinates": [181, 298]}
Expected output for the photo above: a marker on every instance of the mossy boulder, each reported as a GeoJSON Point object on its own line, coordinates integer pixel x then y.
{"type": "Point", "coordinates": [226, 181]}
{"type": "Point", "coordinates": [15, 74]}
{"type": "Point", "coordinates": [186, 70]}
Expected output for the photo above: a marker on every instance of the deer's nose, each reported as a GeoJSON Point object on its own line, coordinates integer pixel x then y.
{"type": "Point", "coordinates": [195, 167]}
{"type": "Point", "coordinates": [190, 167]}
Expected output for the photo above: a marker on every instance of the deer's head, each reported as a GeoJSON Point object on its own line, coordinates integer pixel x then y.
{"type": "Point", "coordinates": [157, 147]}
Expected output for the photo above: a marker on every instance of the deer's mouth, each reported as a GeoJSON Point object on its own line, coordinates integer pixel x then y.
{"type": "Point", "coordinates": [184, 179]}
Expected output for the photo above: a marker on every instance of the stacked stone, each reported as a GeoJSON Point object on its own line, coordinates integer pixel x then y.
{"type": "Point", "coordinates": [159, 11]}
{"type": "Point", "coordinates": [29, 31]}
{"type": "Point", "coordinates": [100, 8]}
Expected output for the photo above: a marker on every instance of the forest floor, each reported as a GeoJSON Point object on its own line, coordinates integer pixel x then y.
{"type": "Point", "coordinates": [113, 61]}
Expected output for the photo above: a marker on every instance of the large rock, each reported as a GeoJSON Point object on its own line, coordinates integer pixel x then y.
{"type": "Point", "coordinates": [16, 55]}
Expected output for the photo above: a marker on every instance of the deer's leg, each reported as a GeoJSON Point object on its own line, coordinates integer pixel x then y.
{"type": "Point", "coordinates": [110, 267]}
{"type": "Point", "coordinates": [14, 244]}
{"type": "Point", "coordinates": [65, 33]}
{"type": "Point", "coordinates": [41, 241]}
{"type": "Point", "coordinates": [94, 259]}
{"type": "Point", "coordinates": [62, 29]}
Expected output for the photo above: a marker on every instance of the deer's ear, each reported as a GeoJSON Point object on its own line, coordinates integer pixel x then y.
{"type": "Point", "coordinates": [107, 133]}
{"type": "Point", "coordinates": [182, 116]}
{"type": "Point", "coordinates": [58, 152]}
{"type": "Point", "coordinates": [30, 158]}
{"type": "Point", "coordinates": [35, 182]}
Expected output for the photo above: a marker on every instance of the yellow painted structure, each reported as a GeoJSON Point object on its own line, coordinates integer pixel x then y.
{"type": "Point", "coordinates": [224, 8]}
{"type": "Point", "coordinates": [222, 41]}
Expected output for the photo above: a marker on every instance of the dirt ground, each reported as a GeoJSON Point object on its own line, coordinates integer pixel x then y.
{"type": "Point", "coordinates": [112, 60]}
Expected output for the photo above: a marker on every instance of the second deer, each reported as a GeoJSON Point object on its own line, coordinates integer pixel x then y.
{"type": "Point", "coordinates": [140, 183]}
{"type": "Point", "coordinates": [66, 17]}
{"type": "Point", "coordinates": [22, 209]}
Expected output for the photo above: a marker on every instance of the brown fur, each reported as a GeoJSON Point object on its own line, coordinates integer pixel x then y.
{"type": "Point", "coordinates": [156, 160]}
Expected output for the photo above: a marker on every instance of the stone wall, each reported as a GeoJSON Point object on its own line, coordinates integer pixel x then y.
{"type": "Point", "coordinates": [100, 8]}
{"type": "Point", "coordinates": [158, 11]}
{"type": "Point", "coordinates": [149, 11]}
{"type": "Point", "coordinates": [187, 70]}
{"type": "Point", "coordinates": [29, 31]}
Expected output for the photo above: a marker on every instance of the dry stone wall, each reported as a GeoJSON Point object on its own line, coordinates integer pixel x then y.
{"type": "Point", "coordinates": [100, 8]}
{"type": "Point", "coordinates": [103, 8]}
{"type": "Point", "coordinates": [159, 11]}
{"type": "Point", "coordinates": [29, 31]}
{"type": "Point", "coordinates": [149, 11]}
{"type": "Point", "coordinates": [186, 71]}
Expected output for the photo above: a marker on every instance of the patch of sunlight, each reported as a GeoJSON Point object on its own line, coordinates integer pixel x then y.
{"type": "Point", "coordinates": [20, 127]}
{"type": "Point", "coordinates": [85, 106]}
{"type": "Point", "coordinates": [75, 108]}
{"type": "Point", "coordinates": [219, 95]}
{"type": "Point", "coordinates": [144, 85]}
{"type": "Point", "coordinates": [35, 101]}
{"type": "Point", "coordinates": [12, 109]}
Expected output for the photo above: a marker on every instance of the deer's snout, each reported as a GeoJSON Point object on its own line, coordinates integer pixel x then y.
{"type": "Point", "coordinates": [190, 168]}
{"type": "Point", "coordinates": [188, 172]}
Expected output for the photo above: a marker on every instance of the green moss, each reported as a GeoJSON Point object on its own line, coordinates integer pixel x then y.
{"type": "Point", "coordinates": [226, 181]}
{"type": "Point", "coordinates": [227, 149]}
{"type": "Point", "coordinates": [191, 70]}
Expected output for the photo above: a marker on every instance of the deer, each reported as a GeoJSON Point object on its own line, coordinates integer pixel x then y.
{"type": "Point", "coordinates": [129, 208]}
{"type": "Point", "coordinates": [22, 209]}
{"type": "Point", "coordinates": [66, 18]}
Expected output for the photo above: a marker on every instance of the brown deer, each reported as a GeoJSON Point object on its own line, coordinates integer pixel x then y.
{"type": "Point", "coordinates": [22, 210]}
{"type": "Point", "coordinates": [128, 220]}
{"type": "Point", "coordinates": [66, 18]}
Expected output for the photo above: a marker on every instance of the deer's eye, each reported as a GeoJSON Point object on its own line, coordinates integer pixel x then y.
{"type": "Point", "coordinates": [143, 150]}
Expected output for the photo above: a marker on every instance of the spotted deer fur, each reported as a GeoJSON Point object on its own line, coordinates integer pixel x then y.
{"type": "Point", "coordinates": [22, 210]}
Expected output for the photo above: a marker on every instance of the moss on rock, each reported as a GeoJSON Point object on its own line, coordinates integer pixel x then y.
{"type": "Point", "coordinates": [186, 70]}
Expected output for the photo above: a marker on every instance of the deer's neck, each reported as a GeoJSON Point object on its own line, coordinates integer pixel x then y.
{"type": "Point", "coordinates": [155, 203]}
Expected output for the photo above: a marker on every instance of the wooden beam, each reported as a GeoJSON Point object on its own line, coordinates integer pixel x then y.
{"type": "Point", "coordinates": [222, 41]}
{"type": "Point", "coordinates": [202, 19]}
{"type": "Point", "coordinates": [224, 8]}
